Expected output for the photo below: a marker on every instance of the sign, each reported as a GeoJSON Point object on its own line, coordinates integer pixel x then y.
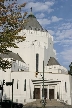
{"type": "Point", "coordinates": [3, 82]}
{"type": "Point", "coordinates": [9, 83]}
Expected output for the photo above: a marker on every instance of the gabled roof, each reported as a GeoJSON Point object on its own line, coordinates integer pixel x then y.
{"type": "Point", "coordinates": [12, 55]}
{"type": "Point", "coordinates": [53, 61]}
{"type": "Point", "coordinates": [32, 23]}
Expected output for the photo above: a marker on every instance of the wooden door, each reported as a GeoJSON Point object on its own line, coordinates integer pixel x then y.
{"type": "Point", "coordinates": [36, 93]}
{"type": "Point", "coordinates": [51, 93]}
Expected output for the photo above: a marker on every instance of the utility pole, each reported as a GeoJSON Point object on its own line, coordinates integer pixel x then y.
{"type": "Point", "coordinates": [43, 80]}
{"type": "Point", "coordinates": [43, 103]}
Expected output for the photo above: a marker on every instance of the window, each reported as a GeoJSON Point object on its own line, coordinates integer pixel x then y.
{"type": "Point", "coordinates": [37, 62]}
{"type": "Point", "coordinates": [25, 85]}
{"type": "Point", "coordinates": [17, 84]}
{"type": "Point", "coordinates": [65, 87]}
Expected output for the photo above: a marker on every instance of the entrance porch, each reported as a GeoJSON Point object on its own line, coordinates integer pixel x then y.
{"type": "Point", "coordinates": [48, 93]}
{"type": "Point", "coordinates": [50, 90]}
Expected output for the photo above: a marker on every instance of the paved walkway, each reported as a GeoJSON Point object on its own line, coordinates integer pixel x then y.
{"type": "Point", "coordinates": [53, 103]}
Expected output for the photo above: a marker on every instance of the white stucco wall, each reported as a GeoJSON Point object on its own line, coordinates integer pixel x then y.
{"type": "Point", "coordinates": [41, 43]}
{"type": "Point", "coordinates": [36, 42]}
{"type": "Point", "coordinates": [21, 95]}
{"type": "Point", "coordinates": [16, 66]}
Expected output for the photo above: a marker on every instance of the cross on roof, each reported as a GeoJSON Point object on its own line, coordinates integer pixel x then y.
{"type": "Point", "coordinates": [31, 9]}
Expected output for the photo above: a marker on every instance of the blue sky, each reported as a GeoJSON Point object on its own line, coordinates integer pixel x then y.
{"type": "Point", "coordinates": [56, 17]}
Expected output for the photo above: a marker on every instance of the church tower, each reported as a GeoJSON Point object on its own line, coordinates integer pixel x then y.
{"type": "Point", "coordinates": [38, 45]}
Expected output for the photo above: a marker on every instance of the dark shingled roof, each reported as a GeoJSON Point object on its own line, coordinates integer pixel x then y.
{"type": "Point", "coordinates": [12, 55]}
{"type": "Point", "coordinates": [32, 23]}
{"type": "Point", "coordinates": [53, 61]}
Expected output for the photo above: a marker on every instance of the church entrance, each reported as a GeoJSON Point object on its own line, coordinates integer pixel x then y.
{"type": "Point", "coordinates": [36, 93]}
{"type": "Point", "coordinates": [51, 93]}
{"type": "Point", "coordinates": [45, 92]}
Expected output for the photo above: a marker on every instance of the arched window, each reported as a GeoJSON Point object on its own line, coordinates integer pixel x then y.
{"type": "Point", "coordinates": [37, 62]}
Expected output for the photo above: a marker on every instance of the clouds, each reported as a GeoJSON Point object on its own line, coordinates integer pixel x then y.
{"type": "Point", "coordinates": [65, 26]}
{"type": "Point", "coordinates": [51, 32]}
{"type": "Point", "coordinates": [63, 38]}
{"type": "Point", "coordinates": [64, 33]}
{"type": "Point", "coordinates": [41, 6]}
{"type": "Point", "coordinates": [40, 15]}
{"type": "Point", "coordinates": [55, 19]}
{"type": "Point", "coordinates": [41, 9]}
{"type": "Point", "coordinates": [67, 55]}
{"type": "Point", "coordinates": [46, 21]}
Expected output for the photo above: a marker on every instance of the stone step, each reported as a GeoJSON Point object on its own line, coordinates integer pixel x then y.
{"type": "Point", "coordinates": [49, 103]}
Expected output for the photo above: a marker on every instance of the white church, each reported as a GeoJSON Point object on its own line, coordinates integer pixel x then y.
{"type": "Point", "coordinates": [27, 68]}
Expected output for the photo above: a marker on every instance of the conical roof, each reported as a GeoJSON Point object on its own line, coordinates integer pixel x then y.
{"type": "Point", "coordinates": [53, 61]}
{"type": "Point", "coordinates": [32, 23]}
